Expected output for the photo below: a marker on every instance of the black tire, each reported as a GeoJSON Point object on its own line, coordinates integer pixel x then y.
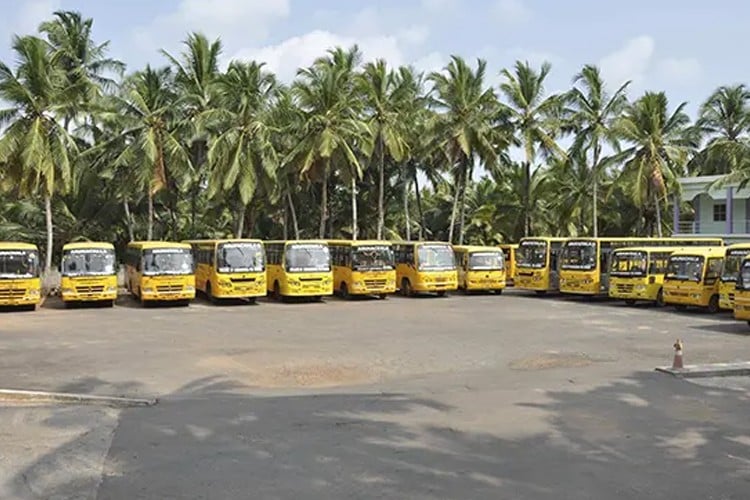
{"type": "Point", "coordinates": [540, 292]}
{"type": "Point", "coordinates": [499, 291]}
{"type": "Point", "coordinates": [441, 293]}
{"type": "Point", "coordinates": [111, 303]}
{"type": "Point", "coordinates": [660, 298]}
{"type": "Point", "coordinates": [630, 302]}
{"type": "Point", "coordinates": [383, 296]}
{"type": "Point", "coordinates": [713, 304]}
{"type": "Point", "coordinates": [68, 304]}
{"type": "Point", "coordinates": [680, 307]}
{"type": "Point", "coordinates": [344, 291]}
{"type": "Point", "coordinates": [252, 300]}
{"type": "Point", "coordinates": [406, 288]}
{"type": "Point", "coordinates": [277, 292]}
{"type": "Point", "coordinates": [748, 323]}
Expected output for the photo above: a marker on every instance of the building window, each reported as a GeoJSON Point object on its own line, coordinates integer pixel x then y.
{"type": "Point", "coordinates": [720, 212]}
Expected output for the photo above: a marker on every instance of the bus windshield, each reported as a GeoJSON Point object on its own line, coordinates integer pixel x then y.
{"type": "Point", "coordinates": [19, 263]}
{"type": "Point", "coordinates": [532, 253]}
{"type": "Point", "coordinates": [307, 258]}
{"type": "Point", "coordinates": [486, 261]}
{"type": "Point", "coordinates": [436, 258]}
{"type": "Point", "coordinates": [744, 281]}
{"type": "Point", "coordinates": [732, 263]}
{"type": "Point", "coordinates": [88, 262]}
{"type": "Point", "coordinates": [167, 261]}
{"type": "Point", "coordinates": [685, 268]}
{"type": "Point", "coordinates": [239, 257]}
{"type": "Point", "coordinates": [372, 258]}
{"type": "Point", "coordinates": [629, 263]}
{"type": "Point", "coordinates": [579, 255]}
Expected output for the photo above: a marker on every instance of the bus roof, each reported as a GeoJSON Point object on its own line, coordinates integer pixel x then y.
{"type": "Point", "coordinates": [509, 245]}
{"type": "Point", "coordinates": [676, 238]}
{"type": "Point", "coordinates": [653, 249]}
{"type": "Point", "coordinates": [357, 243]}
{"type": "Point", "coordinates": [701, 251]}
{"type": "Point", "coordinates": [738, 246]}
{"type": "Point", "coordinates": [417, 243]}
{"type": "Point", "coordinates": [545, 238]}
{"type": "Point", "coordinates": [17, 245]}
{"type": "Point", "coordinates": [289, 242]}
{"type": "Point", "coordinates": [476, 248]}
{"type": "Point", "coordinates": [78, 245]}
{"type": "Point", "coordinates": [223, 240]}
{"type": "Point", "coordinates": [148, 245]}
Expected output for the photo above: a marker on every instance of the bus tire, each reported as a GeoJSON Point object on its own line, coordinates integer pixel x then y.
{"type": "Point", "coordinates": [441, 293]}
{"type": "Point", "coordinates": [748, 323]}
{"type": "Point", "coordinates": [383, 296]}
{"type": "Point", "coordinates": [660, 298]}
{"type": "Point", "coordinates": [540, 292]}
{"type": "Point", "coordinates": [405, 287]}
{"type": "Point", "coordinates": [499, 291]}
{"type": "Point", "coordinates": [344, 291]}
{"type": "Point", "coordinates": [209, 293]}
{"type": "Point", "coordinates": [713, 304]}
{"type": "Point", "coordinates": [629, 302]}
{"type": "Point", "coordinates": [277, 292]}
{"type": "Point", "coordinates": [680, 307]}
{"type": "Point", "coordinates": [111, 303]}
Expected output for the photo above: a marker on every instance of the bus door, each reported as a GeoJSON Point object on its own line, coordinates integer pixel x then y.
{"type": "Point", "coordinates": [713, 272]}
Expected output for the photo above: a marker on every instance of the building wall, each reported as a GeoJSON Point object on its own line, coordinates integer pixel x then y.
{"type": "Point", "coordinates": [706, 216]}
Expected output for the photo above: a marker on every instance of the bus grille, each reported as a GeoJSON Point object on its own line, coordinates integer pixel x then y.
{"type": "Point", "coordinates": [311, 279]}
{"type": "Point", "coordinates": [90, 289]}
{"type": "Point", "coordinates": [7, 293]}
{"type": "Point", "coordinates": [731, 297]}
{"type": "Point", "coordinates": [242, 280]}
{"type": "Point", "coordinates": [169, 288]}
{"type": "Point", "coordinates": [624, 288]}
{"type": "Point", "coordinates": [375, 283]}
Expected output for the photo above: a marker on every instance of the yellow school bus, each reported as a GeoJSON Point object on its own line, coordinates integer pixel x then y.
{"type": "Point", "coordinates": [229, 269]}
{"type": "Point", "coordinates": [538, 264]}
{"type": "Point", "coordinates": [20, 284]}
{"type": "Point", "coordinates": [298, 268]}
{"type": "Point", "coordinates": [363, 267]}
{"type": "Point", "coordinates": [425, 266]}
{"type": "Point", "coordinates": [732, 260]}
{"type": "Point", "coordinates": [88, 273]}
{"type": "Point", "coordinates": [160, 271]}
{"type": "Point", "coordinates": [742, 292]}
{"type": "Point", "coordinates": [637, 273]}
{"type": "Point", "coordinates": [692, 278]}
{"type": "Point", "coordinates": [480, 268]}
{"type": "Point", "coordinates": [509, 251]}
{"type": "Point", "coordinates": [585, 262]}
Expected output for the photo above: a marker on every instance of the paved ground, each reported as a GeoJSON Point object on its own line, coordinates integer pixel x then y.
{"type": "Point", "coordinates": [461, 397]}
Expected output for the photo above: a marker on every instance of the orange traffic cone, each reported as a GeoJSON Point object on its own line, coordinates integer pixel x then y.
{"type": "Point", "coordinates": [677, 362]}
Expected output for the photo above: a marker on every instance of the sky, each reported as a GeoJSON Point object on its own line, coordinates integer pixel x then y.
{"type": "Point", "coordinates": [686, 48]}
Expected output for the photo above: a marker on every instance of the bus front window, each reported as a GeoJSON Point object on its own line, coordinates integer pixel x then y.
{"type": "Point", "coordinates": [486, 261]}
{"type": "Point", "coordinates": [732, 263]}
{"type": "Point", "coordinates": [744, 277]}
{"type": "Point", "coordinates": [532, 253]}
{"type": "Point", "coordinates": [307, 258]}
{"type": "Point", "coordinates": [19, 264]}
{"type": "Point", "coordinates": [167, 261]}
{"type": "Point", "coordinates": [88, 262]}
{"type": "Point", "coordinates": [579, 256]}
{"type": "Point", "coordinates": [372, 258]}
{"type": "Point", "coordinates": [685, 268]}
{"type": "Point", "coordinates": [629, 264]}
{"type": "Point", "coordinates": [436, 258]}
{"type": "Point", "coordinates": [240, 258]}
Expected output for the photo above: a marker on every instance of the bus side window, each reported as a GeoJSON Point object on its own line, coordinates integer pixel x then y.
{"type": "Point", "coordinates": [409, 256]}
{"type": "Point", "coordinates": [713, 271]}
{"type": "Point", "coordinates": [553, 260]}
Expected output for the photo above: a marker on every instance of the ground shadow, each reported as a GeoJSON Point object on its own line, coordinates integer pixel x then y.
{"type": "Point", "coordinates": [648, 436]}
{"type": "Point", "coordinates": [16, 309]}
{"type": "Point", "coordinates": [734, 327]}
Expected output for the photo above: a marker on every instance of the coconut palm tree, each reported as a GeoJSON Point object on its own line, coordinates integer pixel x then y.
{"type": "Point", "coordinates": [724, 119]}
{"type": "Point", "coordinates": [243, 155]}
{"type": "Point", "coordinates": [536, 118]}
{"type": "Point", "coordinates": [464, 128]}
{"type": "Point", "coordinates": [660, 144]}
{"type": "Point", "coordinates": [333, 128]}
{"type": "Point", "coordinates": [594, 114]}
{"type": "Point", "coordinates": [35, 147]}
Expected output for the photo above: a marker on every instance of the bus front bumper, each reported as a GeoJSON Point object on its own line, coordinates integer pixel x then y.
{"type": "Point", "coordinates": [435, 287]}
{"type": "Point", "coordinates": [485, 284]}
{"type": "Point", "coordinates": [20, 300]}
{"type": "Point", "coordinates": [257, 289]}
{"type": "Point", "coordinates": [184, 294]}
{"type": "Point", "coordinates": [360, 288]}
{"type": "Point", "coordinates": [742, 310]}
{"type": "Point", "coordinates": [107, 294]}
{"type": "Point", "coordinates": [684, 298]}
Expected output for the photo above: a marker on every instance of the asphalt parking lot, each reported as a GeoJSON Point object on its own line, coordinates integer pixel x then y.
{"type": "Point", "coordinates": [508, 396]}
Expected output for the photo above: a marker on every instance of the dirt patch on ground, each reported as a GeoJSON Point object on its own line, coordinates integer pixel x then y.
{"type": "Point", "coordinates": [291, 374]}
{"type": "Point", "coordinates": [548, 361]}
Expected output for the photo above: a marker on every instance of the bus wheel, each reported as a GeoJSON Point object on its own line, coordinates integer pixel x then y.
{"type": "Point", "coordinates": [110, 303]}
{"type": "Point", "coordinates": [277, 291]}
{"type": "Point", "coordinates": [344, 290]}
{"type": "Point", "coordinates": [441, 293]}
{"type": "Point", "coordinates": [541, 292]}
{"type": "Point", "coordinates": [713, 304]}
{"type": "Point", "coordinates": [383, 296]}
{"type": "Point", "coordinates": [209, 294]}
{"type": "Point", "coordinates": [499, 291]}
{"type": "Point", "coordinates": [680, 307]}
{"type": "Point", "coordinates": [630, 302]}
{"type": "Point", "coordinates": [405, 287]}
{"type": "Point", "coordinates": [660, 298]}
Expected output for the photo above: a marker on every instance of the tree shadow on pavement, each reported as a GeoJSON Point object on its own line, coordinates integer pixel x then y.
{"type": "Point", "coordinates": [648, 436]}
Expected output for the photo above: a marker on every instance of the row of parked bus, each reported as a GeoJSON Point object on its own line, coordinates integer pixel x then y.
{"type": "Point", "coordinates": [247, 269]}
{"type": "Point", "coordinates": [682, 272]}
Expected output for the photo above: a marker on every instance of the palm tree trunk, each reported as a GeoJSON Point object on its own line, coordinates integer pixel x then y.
{"type": "Point", "coordinates": [240, 223]}
{"type": "Point", "coordinates": [50, 234]}
{"type": "Point", "coordinates": [324, 201]}
{"type": "Point", "coordinates": [284, 223]}
{"type": "Point", "coordinates": [150, 229]}
{"type": "Point", "coordinates": [128, 219]}
{"type": "Point", "coordinates": [462, 207]}
{"type": "Point", "coordinates": [454, 211]}
{"type": "Point", "coordinates": [293, 212]}
{"type": "Point", "coordinates": [658, 214]}
{"type": "Point", "coordinates": [418, 196]}
{"type": "Point", "coordinates": [381, 188]}
{"type": "Point", "coordinates": [526, 198]}
{"type": "Point", "coordinates": [406, 210]}
{"type": "Point", "coordinates": [595, 176]}
{"type": "Point", "coordinates": [354, 207]}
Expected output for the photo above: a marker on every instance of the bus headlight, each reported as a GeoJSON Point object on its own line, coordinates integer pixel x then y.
{"type": "Point", "coordinates": [225, 283]}
{"type": "Point", "coordinates": [64, 290]}
{"type": "Point", "coordinates": [111, 288]}
{"type": "Point", "coordinates": [292, 281]}
{"type": "Point", "coordinates": [696, 296]}
{"type": "Point", "coordinates": [639, 288]}
{"type": "Point", "coordinates": [189, 288]}
{"type": "Point", "coordinates": [34, 292]}
{"type": "Point", "coordinates": [148, 289]}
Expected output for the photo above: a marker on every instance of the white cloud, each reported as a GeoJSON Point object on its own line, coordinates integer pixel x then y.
{"type": "Point", "coordinates": [299, 51]}
{"type": "Point", "coordinates": [434, 61]}
{"type": "Point", "coordinates": [630, 62]}
{"type": "Point", "coordinates": [415, 34]}
{"type": "Point", "coordinates": [511, 11]}
{"type": "Point", "coordinates": [30, 14]}
{"type": "Point", "coordinates": [235, 21]}
{"type": "Point", "coordinates": [534, 57]}
{"type": "Point", "coordinates": [438, 6]}
{"type": "Point", "coordinates": [680, 70]}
